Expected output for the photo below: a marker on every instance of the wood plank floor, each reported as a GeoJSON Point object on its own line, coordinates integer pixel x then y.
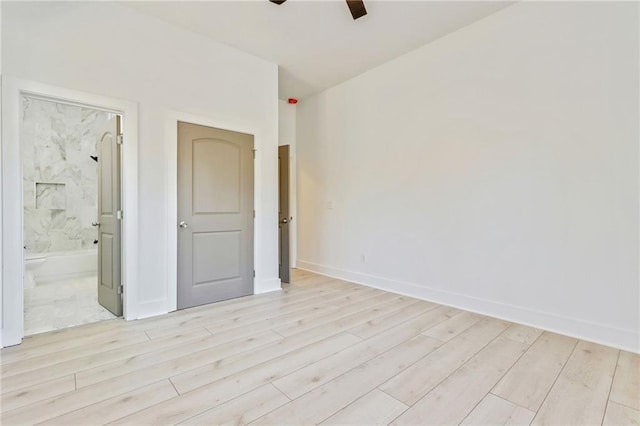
{"type": "Point", "coordinates": [322, 351]}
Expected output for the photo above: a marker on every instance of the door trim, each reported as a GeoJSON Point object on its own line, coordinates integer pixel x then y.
{"type": "Point", "coordinates": [11, 207]}
{"type": "Point", "coordinates": [260, 285]}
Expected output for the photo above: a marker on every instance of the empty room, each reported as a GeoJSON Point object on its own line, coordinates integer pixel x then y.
{"type": "Point", "coordinates": [305, 212]}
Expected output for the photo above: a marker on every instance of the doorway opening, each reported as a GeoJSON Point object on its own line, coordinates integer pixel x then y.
{"type": "Point", "coordinates": [71, 191]}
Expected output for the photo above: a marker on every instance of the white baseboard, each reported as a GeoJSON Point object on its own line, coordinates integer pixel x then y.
{"type": "Point", "coordinates": [9, 339]}
{"type": "Point", "coordinates": [624, 339]}
{"type": "Point", "coordinates": [142, 310]}
{"type": "Point", "coordinates": [267, 286]}
{"type": "Point", "coordinates": [159, 307]}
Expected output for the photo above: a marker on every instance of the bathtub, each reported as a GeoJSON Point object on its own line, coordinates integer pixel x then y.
{"type": "Point", "coordinates": [42, 268]}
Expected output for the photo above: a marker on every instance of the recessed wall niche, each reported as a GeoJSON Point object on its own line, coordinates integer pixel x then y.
{"type": "Point", "coordinates": [50, 196]}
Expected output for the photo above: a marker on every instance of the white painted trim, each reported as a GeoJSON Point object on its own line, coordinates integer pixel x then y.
{"type": "Point", "coordinates": [1, 212]}
{"type": "Point", "coordinates": [293, 206]}
{"type": "Point", "coordinates": [12, 210]}
{"type": "Point", "coordinates": [260, 284]}
{"type": "Point", "coordinates": [269, 286]}
{"type": "Point", "coordinates": [604, 334]}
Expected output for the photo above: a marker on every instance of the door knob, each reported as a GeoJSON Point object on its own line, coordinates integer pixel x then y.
{"type": "Point", "coordinates": [183, 225]}
{"type": "Point", "coordinates": [285, 220]}
{"type": "Point", "coordinates": [94, 224]}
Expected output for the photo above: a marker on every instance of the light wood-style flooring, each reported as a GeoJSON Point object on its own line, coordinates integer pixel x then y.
{"type": "Point", "coordinates": [322, 351]}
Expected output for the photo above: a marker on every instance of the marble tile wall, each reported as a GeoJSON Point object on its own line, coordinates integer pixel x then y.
{"type": "Point", "coordinates": [59, 176]}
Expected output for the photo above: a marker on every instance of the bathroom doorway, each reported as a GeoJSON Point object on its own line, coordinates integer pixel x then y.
{"type": "Point", "coordinates": [71, 214]}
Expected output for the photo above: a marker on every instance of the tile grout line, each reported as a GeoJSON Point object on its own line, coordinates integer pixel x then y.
{"type": "Point", "coordinates": [398, 324]}
{"type": "Point", "coordinates": [505, 373]}
{"type": "Point", "coordinates": [106, 364]}
{"type": "Point", "coordinates": [575, 345]}
{"type": "Point", "coordinates": [391, 396]}
{"type": "Point", "coordinates": [134, 329]}
{"type": "Point", "coordinates": [264, 362]}
{"type": "Point", "coordinates": [480, 318]}
{"type": "Point", "coordinates": [461, 366]}
{"type": "Point", "coordinates": [266, 307]}
{"type": "Point", "coordinates": [511, 368]}
{"type": "Point", "coordinates": [333, 335]}
{"type": "Point", "coordinates": [214, 407]}
{"type": "Point", "coordinates": [281, 391]}
{"type": "Point", "coordinates": [222, 321]}
{"type": "Point", "coordinates": [176, 315]}
{"type": "Point", "coordinates": [270, 382]}
{"type": "Point", "coordinates": [364, 362]}
{"type": "Point", "coordinates": [173, 386]}
{"type": "Point", "coordinates": [374, 307]}
{"type": "Point", "coordinates": [177, 331]}
{"type": "Point", "coordinates": [380, 354]}
{"type": "Point", "coordinates": [348, 405]}
{"type": "Point", "coordinates": [136, 411]}
{"type": "Point", "coordinates": [107, 398]}
{"type": "Point", "coordinates": [511, 402]}
{"type": "Point", "coordinates": [281, 335]}
{"type": "Point", "coordinates": [114, 335]}
{"type": "Point", "coordinates": [49, 419]}
{"type": "Point", "coordinates": [403, 411]}
{"type": "Point", "coordinates": [623, 404]}
{"type": "Point", "coordinates": [613, 377]}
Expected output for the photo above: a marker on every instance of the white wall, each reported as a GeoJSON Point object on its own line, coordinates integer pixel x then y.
{"type": "Point", "coordinates": [287, 136]}
{"type": "Point", "coordinates": [111, 50]}
{"type": "Point", "coordinates": [495, 169]}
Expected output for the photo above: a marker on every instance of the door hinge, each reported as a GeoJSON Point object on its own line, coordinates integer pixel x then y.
{"type": "Point", "coordinates": [120, 289]}
{"type": "Point", "coordinates": [119, 215]}
{"type": "Point", "coordinates": [254, 154]}
{"type": "Point", "coordinates": [254, 214]}
{"type": "Point", "coordinates": [120, 139]}
{"type": "Point", "coordinates": [254, 273]}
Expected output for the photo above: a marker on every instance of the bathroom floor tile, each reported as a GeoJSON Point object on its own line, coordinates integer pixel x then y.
{"type": "Point", "coordinates": [62, 304]}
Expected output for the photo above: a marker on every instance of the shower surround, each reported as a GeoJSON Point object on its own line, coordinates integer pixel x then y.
{"type": "Point", "coordinates": [59, 176]}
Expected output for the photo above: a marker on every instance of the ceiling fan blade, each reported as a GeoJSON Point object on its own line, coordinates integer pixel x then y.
{"type": "Point", "coordinates": [277, 1]}
{"type": "Point", "coordinates": [357, 8]}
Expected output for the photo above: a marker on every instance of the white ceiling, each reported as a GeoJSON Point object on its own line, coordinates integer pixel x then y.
{"type": "Point", "coordinates": [317, 43]}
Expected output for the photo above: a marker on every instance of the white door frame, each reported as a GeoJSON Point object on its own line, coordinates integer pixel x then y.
{"type": "Point", "coordinates": [173, 117]}
{"type": "Point", "coordinates": [11, 202]}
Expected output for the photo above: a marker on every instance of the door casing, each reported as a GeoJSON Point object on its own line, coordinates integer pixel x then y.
{"type": "Point", "coordinates": [262, 284]}
{"type": "Point", "coordinates": [11, 201]}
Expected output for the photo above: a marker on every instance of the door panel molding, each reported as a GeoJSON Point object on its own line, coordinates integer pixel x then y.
{"type": "Point", "coordinates": [215, 210]}
{"type": "Point", "coordinates": [109, 226]}
{"type": "Point", "coordinates": [225, 203]}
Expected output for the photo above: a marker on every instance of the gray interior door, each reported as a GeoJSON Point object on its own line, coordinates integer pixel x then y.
{"type": "Point", "coordinates": [109, 276]}
{"type": "Point", "coordinates": [215, 215]}
{"type": "Point", "coordinates": [283, 212]}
